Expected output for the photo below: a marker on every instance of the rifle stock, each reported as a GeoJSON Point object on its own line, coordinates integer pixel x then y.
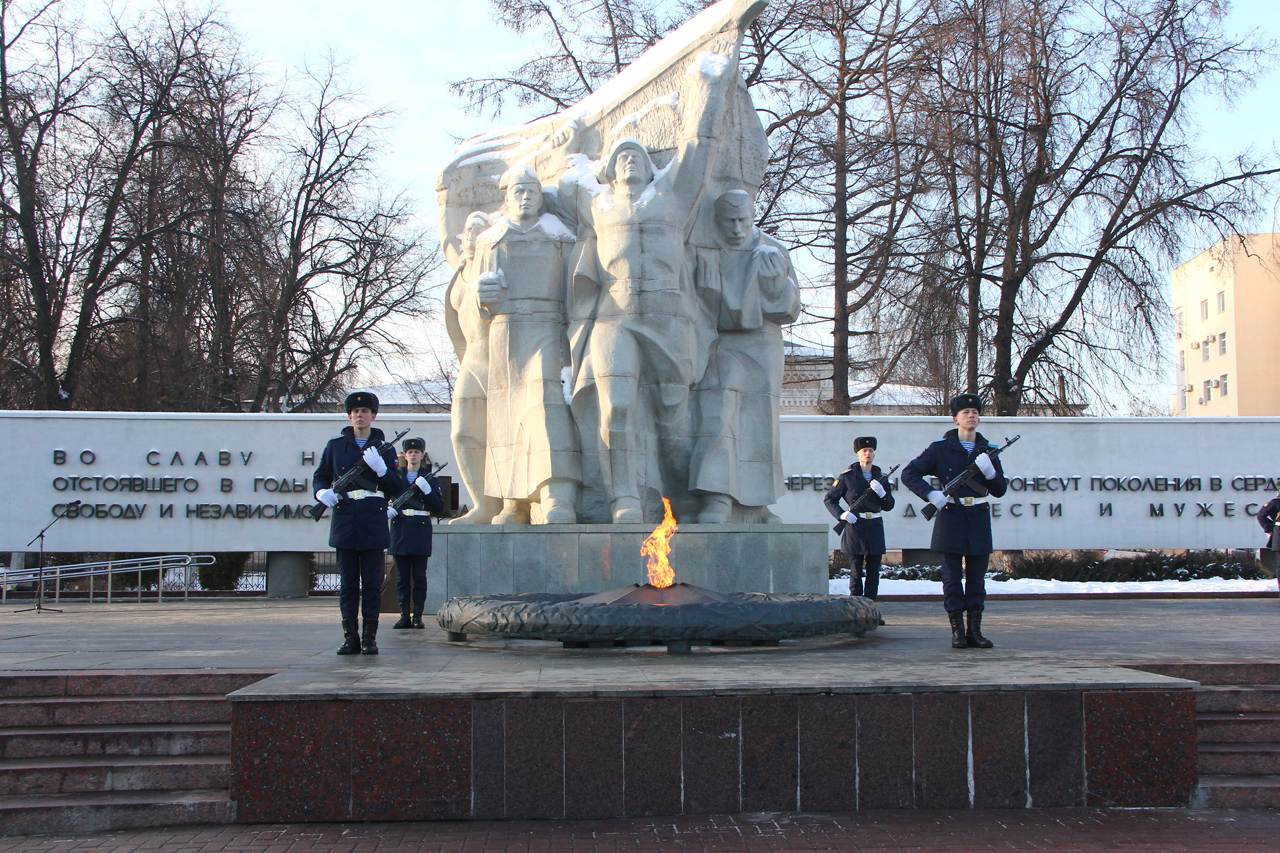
{"type": "Point", "coordinates": [960, 480]}
{"type": "Point", "coordinates": [352, 474]}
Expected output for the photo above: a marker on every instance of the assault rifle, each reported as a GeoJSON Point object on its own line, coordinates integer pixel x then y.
{"type": "Point", "coordinates": [353, 474]}
{"type": "Point", "coordinates": [404, 497]}
{"type": "Point", "coordinates": [968, 477]}
{"type": "Point", "coordinates": [862, 501]}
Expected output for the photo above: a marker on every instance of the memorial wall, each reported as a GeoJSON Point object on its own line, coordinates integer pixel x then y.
{"type": "Point", "coordinates": [199, 483]}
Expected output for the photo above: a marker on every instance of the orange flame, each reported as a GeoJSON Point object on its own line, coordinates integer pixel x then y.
{"type": "Point", "coordinates": [658, 546]}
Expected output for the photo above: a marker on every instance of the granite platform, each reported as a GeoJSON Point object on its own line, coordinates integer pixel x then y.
{"type": "Point", "coordinates": [430, 729]}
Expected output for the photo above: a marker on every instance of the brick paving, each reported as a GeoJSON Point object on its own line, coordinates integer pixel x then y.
{"type": "Point", "coordinates": [1065, 830]}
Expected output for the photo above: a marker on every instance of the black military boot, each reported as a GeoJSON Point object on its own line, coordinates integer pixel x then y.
{"type": "Point", "coordinates": [369, 640]}
{"type": "Point", "coordinates": [417, 616]}
{"type": "Point", "coordinates": [403, 621]}
{"type": "Point", "coordinates": [350, 638]}
{"type": "Point", "coordinates": [974, 636]}
{"type": "Point", "coordinates": [958, 639]}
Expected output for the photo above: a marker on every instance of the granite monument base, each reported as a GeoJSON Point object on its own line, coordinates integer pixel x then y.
{"type": "Point", "coordinates": [631, 735]}
{"type": "Point", "coordinates": [475, 560]}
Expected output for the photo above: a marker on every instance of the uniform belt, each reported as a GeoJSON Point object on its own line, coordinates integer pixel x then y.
{"type": "Point", "coordinates": [415, 512]}
{"type": "Point", "coordinates": [868, 515]}
{"type": "Point", "coordinates": [361, 494]}
{"type": "Point", "coordinates": [967, 501]}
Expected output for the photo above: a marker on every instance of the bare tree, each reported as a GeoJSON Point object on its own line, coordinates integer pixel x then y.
{"type": "Point", "coordinates": [587, 42]}
{"type": "Point", "coordinates": [1064, 176]}
{"type": "Point", "coordinates": [77, 120]}
{"type": "Point", "coordinates": [345, 257]}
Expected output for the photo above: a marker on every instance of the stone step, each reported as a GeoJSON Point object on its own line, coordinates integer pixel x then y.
{"type": "Point", "coordinates": [60, 813]}
{"type": "Point", "coordinates": [1235, 698]}
{"type": "Point", "coordinates": [1240, 672]}
{"type": "Point", "coordinates": [1237, 792]}
{"type": "Point", "coordinates": [1238, 759]}
{"type": "Point", "coordinates": [1238, 728]}
{"type": "Point", "coordinates": [126, 683]}
{"type": "Point", "coordinates": [149, 739]}
{"type": "Point", "coordinates": [123, 710]}
{"type": "Point", "coordinates": [97, 773]}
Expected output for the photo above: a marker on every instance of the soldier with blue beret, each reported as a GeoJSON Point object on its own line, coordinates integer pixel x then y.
{"type": "Point", "coordinates": [962, 527]}
{"type": "Point", "coordinates": [358, 529]}
{"type": "Point", "coordinates": [411, 532]}
{"type": "Point", "coordinates": [863, 535]}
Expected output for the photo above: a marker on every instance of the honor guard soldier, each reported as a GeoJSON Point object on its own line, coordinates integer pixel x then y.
{"type": "Point", "coordinates": [411, 532]}
{"type": "Point", "coordinates": [1267, 518]}
{"type": "Point", "coordinates": [358, 530]}
{"type": "Point", "coordinates": [863, 536]}
{"type": "Point", "coordinates": [962, 527]}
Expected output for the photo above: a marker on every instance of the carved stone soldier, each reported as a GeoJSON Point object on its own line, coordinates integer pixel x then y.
{"type": "Point", "coordinates": [469, 333]}
{"type": "Point", "coordinates": [750, 288]}
{"type": "Point", "coordinates": [643, 350]}
{"type": "Point", "coordinates": [533, 450]}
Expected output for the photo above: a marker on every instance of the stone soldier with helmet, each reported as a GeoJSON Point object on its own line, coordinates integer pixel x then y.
{"type": "Point", "coordinates": [411, 532]}
{"type": "Point", "coordinates": [358, 531]}
{"type": "Point", "coordinates": [863, 536]}
{"type": "Point", "coordinates": [962, 527]}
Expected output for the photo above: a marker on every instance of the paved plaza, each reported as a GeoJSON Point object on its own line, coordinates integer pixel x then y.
{"type": "Point", "coordinates": [1044, 641]}
{"type": "Point", "coordinates": [1058, 831]}
{"type": "Point", "coordinates": [304, 633]}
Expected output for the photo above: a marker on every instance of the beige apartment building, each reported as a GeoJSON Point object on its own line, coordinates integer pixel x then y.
{"type": "Point", "coordinates": [1226, 329]}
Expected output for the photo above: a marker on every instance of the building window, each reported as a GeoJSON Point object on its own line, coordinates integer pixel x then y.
{"type": "Point", "coordinates": [1222, 386]}
{"type": "Point", "coordinates": [1222, 344]}
{"type": "Point", "coordinates": [1222, 301]}
{"type": "Point", "coordinates": [1177, 324]}
{"type": "Point", "coordinates": [1208, 390]}
{"type": "Point", "coordinates": [1182, 359]}
{"type": "Point", "coordinates": [1204, 351]}
{"type": "Point", "coordinates": [1204, 310]}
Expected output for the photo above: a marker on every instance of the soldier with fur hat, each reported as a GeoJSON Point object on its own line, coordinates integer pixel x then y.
{"type": "Point", "coordinates": [863, 535]}
{"type": "Point", "coordinates": [358, 529]}
{"type": "Point", "coordinates": [962, 527]}
{"type": "Point", "coordinates": [411, 532]}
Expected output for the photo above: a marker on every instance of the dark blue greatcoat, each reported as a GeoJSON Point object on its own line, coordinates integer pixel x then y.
{"type": "Point", "coordinates": [1267, 518]}
{"type": "Point", "coordinates": [956, 529]}
{"type": "Point", "coordinates": [411, 534]}
{"type": "Point", "coordinates": [358, 525]}
{"type": "Point", "coordinates": [867, 536]}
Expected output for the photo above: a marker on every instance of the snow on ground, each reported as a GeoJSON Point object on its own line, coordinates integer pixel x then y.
{"type": "Point", "coordinates": [889, 586]}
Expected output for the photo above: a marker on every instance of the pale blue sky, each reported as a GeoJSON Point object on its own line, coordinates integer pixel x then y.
{"type": "Point", "coordinates": [402, 55]}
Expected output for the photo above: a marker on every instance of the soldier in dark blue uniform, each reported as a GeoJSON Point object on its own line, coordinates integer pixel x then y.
{"type": "Point", "coordinates": [411, 533]}
{"type": "Point", "coordinates": [863, 535]}
{"type": "Point", "coordinates": [962, 527]}
{"type": "Point", "coordinates": [358, 530]}
{"type": "Point", "coordinates": [1267, 518]}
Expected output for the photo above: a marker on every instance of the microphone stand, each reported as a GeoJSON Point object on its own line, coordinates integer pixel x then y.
{"type": "Point", "coordinates": [40, 608]}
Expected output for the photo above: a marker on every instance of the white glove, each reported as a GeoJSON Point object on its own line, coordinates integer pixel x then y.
{"type": "Point", "coordinates": [391, 512]}
{"type": "Point", "coordinates": [985, 466]}
{"type": "Point", "coordinates": [877, 488]}
{"type": "Point", "coordinates": [424, 485]}
{"type": "Point", "coordinates": [374, 460]}
{"type": "Point", "coordinates": [328, 497]}
{"type": "Point", "coordinates": [849, 517]}
{"type": "Point", "coordinates": [937, 498]}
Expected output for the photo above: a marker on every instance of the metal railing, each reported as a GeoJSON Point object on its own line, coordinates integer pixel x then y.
{"type": "Point", "coordinates": [185, 563]}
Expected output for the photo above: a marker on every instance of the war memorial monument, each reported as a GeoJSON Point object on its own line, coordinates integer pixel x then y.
{"type": "Point", "coordinates": [618, 323]}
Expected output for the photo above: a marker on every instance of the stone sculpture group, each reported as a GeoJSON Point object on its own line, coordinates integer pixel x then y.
{"type": "Point", "coordinates": [616, 313]}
